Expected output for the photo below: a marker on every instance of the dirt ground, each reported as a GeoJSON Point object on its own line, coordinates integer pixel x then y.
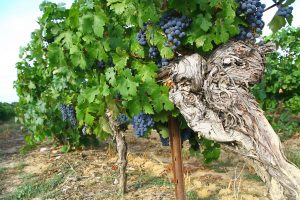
{"type": "Point", "coordinates": [91, 173]}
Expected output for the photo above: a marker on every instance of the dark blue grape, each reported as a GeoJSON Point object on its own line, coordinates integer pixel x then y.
{"type": "Point", "coordinates": [252, 10]}
{"type": "Point", "coordinates": [182, 34]}
{"type": "Point", "coordinates": [186, 134]}
{"type": "Point", "coordinates": [122, 121]}
{"type": "Point", "coordinates": [142, 123]}
{"type": "Point", "coordinates": [101, 64]}
{"type": "Point", "coordinates": [178, 43]}
{"type": "Point", "coordinates": [173, 27]}
{"type": "Point", "coordinates": [285, 11]}
{"type": "Point", "coordinates": [164, 141]}
{"type": "Point", "coordinates": [153, 52]}
{"type": "Point", "coordinates": [63, 110]}
{"type": "Point", "coordinates": [164, 62]}
{"type": "Point", "coordinates": [141, 35]}
{"type": "Point", "coordinates": [72, 115]}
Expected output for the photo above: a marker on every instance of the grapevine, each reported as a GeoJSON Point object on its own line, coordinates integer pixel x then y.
{"type": "Point", "coordinates": [105, 57]}
{"type": "Point", "coordinates": [126, 75]}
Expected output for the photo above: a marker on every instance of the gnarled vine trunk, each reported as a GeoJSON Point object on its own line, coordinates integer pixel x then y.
{"type": "Point", "coordinates": [213, 96]}
{"type": "Point", "coordinates": [121, 149]}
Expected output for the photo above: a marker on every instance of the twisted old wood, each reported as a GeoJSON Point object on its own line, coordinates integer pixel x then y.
{"type": "Point", "coordinates": [121, 149]}
{"type": "Point", "coordinates": [213, 96]}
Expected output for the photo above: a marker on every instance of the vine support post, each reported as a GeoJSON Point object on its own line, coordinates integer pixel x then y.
{"type": "Point", "coordinates": [176, 146]}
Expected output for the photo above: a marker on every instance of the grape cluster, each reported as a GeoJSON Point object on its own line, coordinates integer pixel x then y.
{"type": "Point", "coordinates": [122, 121]}
{"type": "Point", "coordinates": [164, 141]}
{"type": "Point", "coordinates": [162, 62]}
{"type": "Point", "coordinates": [63, 110]}
{"type": "Point", "coordinates": [141, 36]}
{"type": "Point", "coordinates": [141, 123]}
{"type": "Point", "coordinates": [101, 64]}
{"type": "Point", "coordinates": [153, 52]}
{"type": "Point", "coordinates": [72, 115]}
{"type": "Point", "coordinates": [173, 27]}
{"type": "Point", "coordinates": [253, 10]}
{"type": "Point", "coordinates": [68, 112]}
{"type": "Point", "coordinates": [186, 134]}
{"type": "Point", "coordinates": [285, 11]}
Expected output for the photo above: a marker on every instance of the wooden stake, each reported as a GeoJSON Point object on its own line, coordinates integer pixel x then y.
{"type": "Point", "coordinates": [175, 141]}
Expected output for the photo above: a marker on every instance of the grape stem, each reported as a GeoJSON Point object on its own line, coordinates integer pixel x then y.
{"type": "Point", "coordinates": [275, 4]}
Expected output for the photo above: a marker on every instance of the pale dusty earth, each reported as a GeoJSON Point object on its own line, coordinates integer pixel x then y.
{"type": "Point", "coordinates": [91, 173]}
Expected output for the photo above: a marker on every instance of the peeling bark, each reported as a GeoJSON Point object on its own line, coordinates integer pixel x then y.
{"type": "Point", "coordinates": [122, 151]}
{"type": "Point", "coordinates": [213, 96]}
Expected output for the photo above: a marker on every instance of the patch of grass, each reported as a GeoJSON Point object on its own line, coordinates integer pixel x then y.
{"type": "Point", "coordinates": [192, 195]}
{"type": "Point", "coordinates": [213, 197]}
{"type": "Point", "coordinates": [103, 194]}
{"type": "Point", "coordinates": [146, 181]}
{"type": "Point", "coordinates": [21, 166]}
{"type": "Point", "coordinates": [253, 177]}
{"type": "Point", "coordinates": [52, 194]}
{"type": "Point", "coordinates": [30, 189]}
{"type": "Point", "coordinates": [158, 181]}
{"type": "Point", "coordinates": [293, 156]}
{"type": "Point", "coordinates": [109, 178]}
{"type": "Point", "coordinates": [220, 166]}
